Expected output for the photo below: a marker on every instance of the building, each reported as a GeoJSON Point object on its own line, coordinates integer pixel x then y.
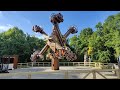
{"type": "Point", "coordinates": [13, 61]}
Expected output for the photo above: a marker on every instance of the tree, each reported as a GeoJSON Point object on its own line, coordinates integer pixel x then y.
{"type": "Point", "coordinates": [14, 41]}
{"type": "Point", "coordinates": [80, 42]}
{"type": "Point", "coordinates": [103, 44]}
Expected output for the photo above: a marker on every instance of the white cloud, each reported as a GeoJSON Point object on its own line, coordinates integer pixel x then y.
{"type": "Point", "coordinates": [27, 21]}
{"type": "Point", "coordinates": [22, 18]}
{"type": "Point", "coordinates": [5, 27]}
{"type": "Point", "coordinates": [40, 37]}
{"type": "Point", "coordinates": [19, 17]}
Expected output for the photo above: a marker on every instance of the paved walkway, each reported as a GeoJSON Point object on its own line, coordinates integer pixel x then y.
{"type": "Point", "coordinates": [55, 75]}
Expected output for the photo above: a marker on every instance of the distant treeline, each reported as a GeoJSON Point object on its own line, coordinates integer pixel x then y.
{"type": "Point", "coordinates": [101, 45]}
{"type": "Point", "coordinates": [14, 41]}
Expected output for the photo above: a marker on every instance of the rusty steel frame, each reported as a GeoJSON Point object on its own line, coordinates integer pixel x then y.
{"type": "Point", "coordinates": [56, 42]}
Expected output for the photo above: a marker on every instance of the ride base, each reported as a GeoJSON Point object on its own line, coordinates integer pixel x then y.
{"type": "Point", "coordinates": [55, 64]}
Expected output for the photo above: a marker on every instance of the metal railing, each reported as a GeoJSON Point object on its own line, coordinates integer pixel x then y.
{"type": "Point", "coordinates": [48, 64]}
{"type": "Point", "coordinates": [30, 64]}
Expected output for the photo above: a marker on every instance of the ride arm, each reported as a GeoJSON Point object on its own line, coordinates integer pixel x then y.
{"type": "Point", "coordinates": [58, 34]}
{"type": "Point", "coordinates": [39, 54]}
{"type": "Point", "coordinates": [71, 30]}
{"type": "Point", "coordinates": [39, 29]}
{"type": "Point", "coordinates": [45, 48]}
{"type": "Point", "coordinates": [55, 19]}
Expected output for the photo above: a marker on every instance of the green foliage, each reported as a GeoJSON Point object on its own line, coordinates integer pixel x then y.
{"type": "Point", "coordinates": [14, 41]}
{"type": "Point", "coordinates": [80, 42]}
{"type": "Point", "coordinates": [104, 41]}
{"type": "Point", "coordinates": [102, 45]}
{"type": "Point", "coordinates": [103, 56]}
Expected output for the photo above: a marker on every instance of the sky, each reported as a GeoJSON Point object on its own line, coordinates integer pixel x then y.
{"type": "Point", "coordinates": [25, 20]}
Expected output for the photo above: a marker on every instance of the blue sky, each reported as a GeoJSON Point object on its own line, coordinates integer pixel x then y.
{"type": "Point", "coordinates": [26, 19]}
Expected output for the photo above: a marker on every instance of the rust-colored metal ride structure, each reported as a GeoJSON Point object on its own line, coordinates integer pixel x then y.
{"type": "Point", "coordinates": [56, 42]}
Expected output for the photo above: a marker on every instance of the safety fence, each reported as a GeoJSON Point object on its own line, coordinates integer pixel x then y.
{"type": "Point", "coordinates": [48, 64]}
{"type": "Point", "coordinates": [65, 74]}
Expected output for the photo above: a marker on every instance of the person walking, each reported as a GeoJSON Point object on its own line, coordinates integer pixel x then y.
{"type": "Point", "coordinates": [119, 62]}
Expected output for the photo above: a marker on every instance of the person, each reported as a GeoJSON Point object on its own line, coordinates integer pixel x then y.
{"type": "Point", "coordinates": [119, 62]}
{"type": "Point", "coordinates": [89, 59]}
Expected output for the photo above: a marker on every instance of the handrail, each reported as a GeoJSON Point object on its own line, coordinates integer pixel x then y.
{"type": "Point", "coordinates": [68, 72]}
{"type": "Point", "coordinates": [90, 64]}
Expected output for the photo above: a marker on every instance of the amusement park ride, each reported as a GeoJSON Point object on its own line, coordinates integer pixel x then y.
{"type": "Point", "coordinates": [56, 42]}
